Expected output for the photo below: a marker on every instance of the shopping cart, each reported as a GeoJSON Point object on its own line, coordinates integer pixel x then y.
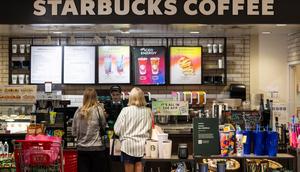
{"type": "Point", "coordinates": [38, 156]}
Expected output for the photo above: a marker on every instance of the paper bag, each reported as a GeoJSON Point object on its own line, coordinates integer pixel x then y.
{"type": "Point", "coordinates": [155, 131]}
{"type": "Point", "coordinates": [115, 147]}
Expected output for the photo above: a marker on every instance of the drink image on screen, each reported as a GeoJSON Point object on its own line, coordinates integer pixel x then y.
{"type": "Point", "coordinates": [120, 64]}
{"type": "Point", "coordinates": [155, 65]}
{"type": "Point", "coordinates": [107, 65]}
{"type": "Point", "coordinates": [142, 65]}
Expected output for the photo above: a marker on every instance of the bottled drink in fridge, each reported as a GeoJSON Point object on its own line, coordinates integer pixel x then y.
{"type": "Point", "coordinates": [239, 143]}
{"type": "Point", "coordinates": [1, 148]}
{"type": "Point", "coordinates": [6, 148]}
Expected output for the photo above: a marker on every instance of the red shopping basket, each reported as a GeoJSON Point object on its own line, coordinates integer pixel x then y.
{"type": "Point", "coordinates": [31, 154]}
{"type": "Point", "coordinates": [70, 159]}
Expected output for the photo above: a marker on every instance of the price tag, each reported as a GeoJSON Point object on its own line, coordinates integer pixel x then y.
{"type": "Point", "coordinates": [244, 139]}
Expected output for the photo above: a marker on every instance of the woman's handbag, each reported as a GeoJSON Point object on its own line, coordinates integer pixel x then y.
{"type": "Point", "coordinates": [102, 131]}
{"type": "Point", "coordinates": [115, 146]}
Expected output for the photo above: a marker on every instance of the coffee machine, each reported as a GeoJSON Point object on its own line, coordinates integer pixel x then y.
{"type": "Point", "coordinates": [218, 108]}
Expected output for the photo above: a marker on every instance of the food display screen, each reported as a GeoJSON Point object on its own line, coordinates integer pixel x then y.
{"type": "Point", "coordinates": [79, 64]}
{"type": "Point", "coordinates": [114, 64]}
{"type": "Point", "coordinates": [46, 64]}
{"type": "Point", "coordinates": [185, 65]}
{"type": "Point", "coordinates": [149, 65]}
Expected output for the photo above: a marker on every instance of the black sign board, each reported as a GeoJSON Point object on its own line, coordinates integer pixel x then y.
{"type": "Point", "coordinates": [206, 139]}
{"type": "Point", "coordinates": [150, 11]}
{"type": "Point", "coordinates": [245, 119]}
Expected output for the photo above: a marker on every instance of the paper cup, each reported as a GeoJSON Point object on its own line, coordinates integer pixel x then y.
{"type": "Point", "coordinates": [21, 78]}
{"type": "Point", "coordinates": [154, 149]}
{"type": "Point", "coordinates": [209, 48]}
{"type": "Point", "coordinates": [14, 48]}
{"type": "Point", "coordinates": [28, 48]}
{"type": "Point", "coordinates": [221, 48]}
{"type": "Point", "coordinates": [22, 48]}
{"type": "Point", "coordinates": [215, 48]}
{"type": "Point", "coordinates": [166, 149]}
{"type": "Point", "coordinates": [14, 79]}
{"type": "Point", "coordinates": [27, 79]}
{"type": "Point", "coordinates": [148, 148]}
{"type": "Point", "coordinates": [161, 138]}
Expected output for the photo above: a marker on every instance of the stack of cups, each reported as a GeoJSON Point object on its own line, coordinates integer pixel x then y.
{"type": "Point", "coordinates": [161, 138]}
{"type": "Point", "coordinates": [154, 149]}
{"type": "Point", "coordinates": [148, 148]}
{"type": "Point", "coordinates": [166, 147]}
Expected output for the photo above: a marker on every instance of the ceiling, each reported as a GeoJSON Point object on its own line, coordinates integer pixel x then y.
{"type": "Point", "coordinates": [144, 29]}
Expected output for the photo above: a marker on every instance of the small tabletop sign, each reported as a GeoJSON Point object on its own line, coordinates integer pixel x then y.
{"type": "Point", "coordinates": [170, 108]}
{"type": "Point", "coordinates": [206, 139]}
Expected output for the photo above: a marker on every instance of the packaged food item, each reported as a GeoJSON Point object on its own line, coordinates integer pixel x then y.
{"type": "Point", "coordinates": [35, 129]}
{"type": "Point", "coordinates": [227, 140]}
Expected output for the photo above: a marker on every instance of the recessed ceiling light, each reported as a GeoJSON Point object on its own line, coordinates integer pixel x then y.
{"type": "Point", "coordinates": [266, 32]}
{"type": "Point", "coordinates": [194, 32]}
{"type": "Point", "coordinates": [57, 32]}
{"type": "Point", "coordinates": [280, 25]}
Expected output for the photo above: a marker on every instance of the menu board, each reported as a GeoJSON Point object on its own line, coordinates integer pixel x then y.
{"type": "Point", "coordinates": [185, 65]}
{"type": "Point", "coordinates": [79, 61]}
{"type": "Point", "coordinates": [245, 119]}
{"type": "Point", "coordinates": [114, 64]}
{"type": "Point", "coordinates": [170, 107]}
{"type": "Point", "coordinates": [149, 65]}
{"type": "Point", "coordinates": [18, 94]}
{"type": "Point", "coordinates": [46, 64]}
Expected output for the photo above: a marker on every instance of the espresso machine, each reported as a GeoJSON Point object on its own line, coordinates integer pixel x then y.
{"type": "Point", "coordinates": [218, 108]}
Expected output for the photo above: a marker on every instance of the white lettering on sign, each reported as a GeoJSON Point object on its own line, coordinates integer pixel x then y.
{"type": "Point", "coordinates": [135, 6]}
{"type": "Point", "coordinates": [39, 8]}
{"type": "Point", "coordinates": [187, 7]}
{"type": "Point", "coordinates": [253, 7]}
{"type": "Point", "coordinates": [267, 7]}
{"type": "Point", "coordinates": [153, 7]}
{"type": "Point", "coordinates": [87, 7]}
{"type": "Point", "coordinates": [222, 6]}
{"type": "Point", "coordinates": [69, 7]}
{"type": "Point", "coordinates": [170, 7]}
{"type": "Point", "coordinates": [212, 7]}
{"type": "Point", "coordinates": [126, 7]}
{"type": "Point", "coordinates": [54, 6]}
{"type": "Point", "coordinates": [104, 7]}
{"type": "Point", "coordinates": [237, 6]}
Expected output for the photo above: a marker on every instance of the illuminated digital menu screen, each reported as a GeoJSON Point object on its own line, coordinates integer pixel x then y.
{"type": "Point", "coordinates": [46, 64]}
{"type": "Point", "coordinates": [185, 65]}
{"type": "Point", "coordinates": [149, 65]}
{"type": "Point", "coordinates": [79, 64]}
{"type": "Point", "coordinates": [114, 64]}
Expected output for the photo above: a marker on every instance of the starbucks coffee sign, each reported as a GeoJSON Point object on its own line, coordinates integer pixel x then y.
{"type": "Point", "coordinates": [150, 11]}
{"type": "Point", "coordinates": [153, 7]}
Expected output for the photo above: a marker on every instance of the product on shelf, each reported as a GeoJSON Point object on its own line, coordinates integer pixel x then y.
{"type": "Point", "coordinates": [231, 164]}
{"type": "Point", "coordinates": [262, 165]}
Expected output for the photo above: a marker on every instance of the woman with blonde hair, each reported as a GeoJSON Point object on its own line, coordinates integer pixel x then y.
{"type": "Point", "coordinates": [134, 127]}
{"type": "Point", "coordinates": [88, 122]}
